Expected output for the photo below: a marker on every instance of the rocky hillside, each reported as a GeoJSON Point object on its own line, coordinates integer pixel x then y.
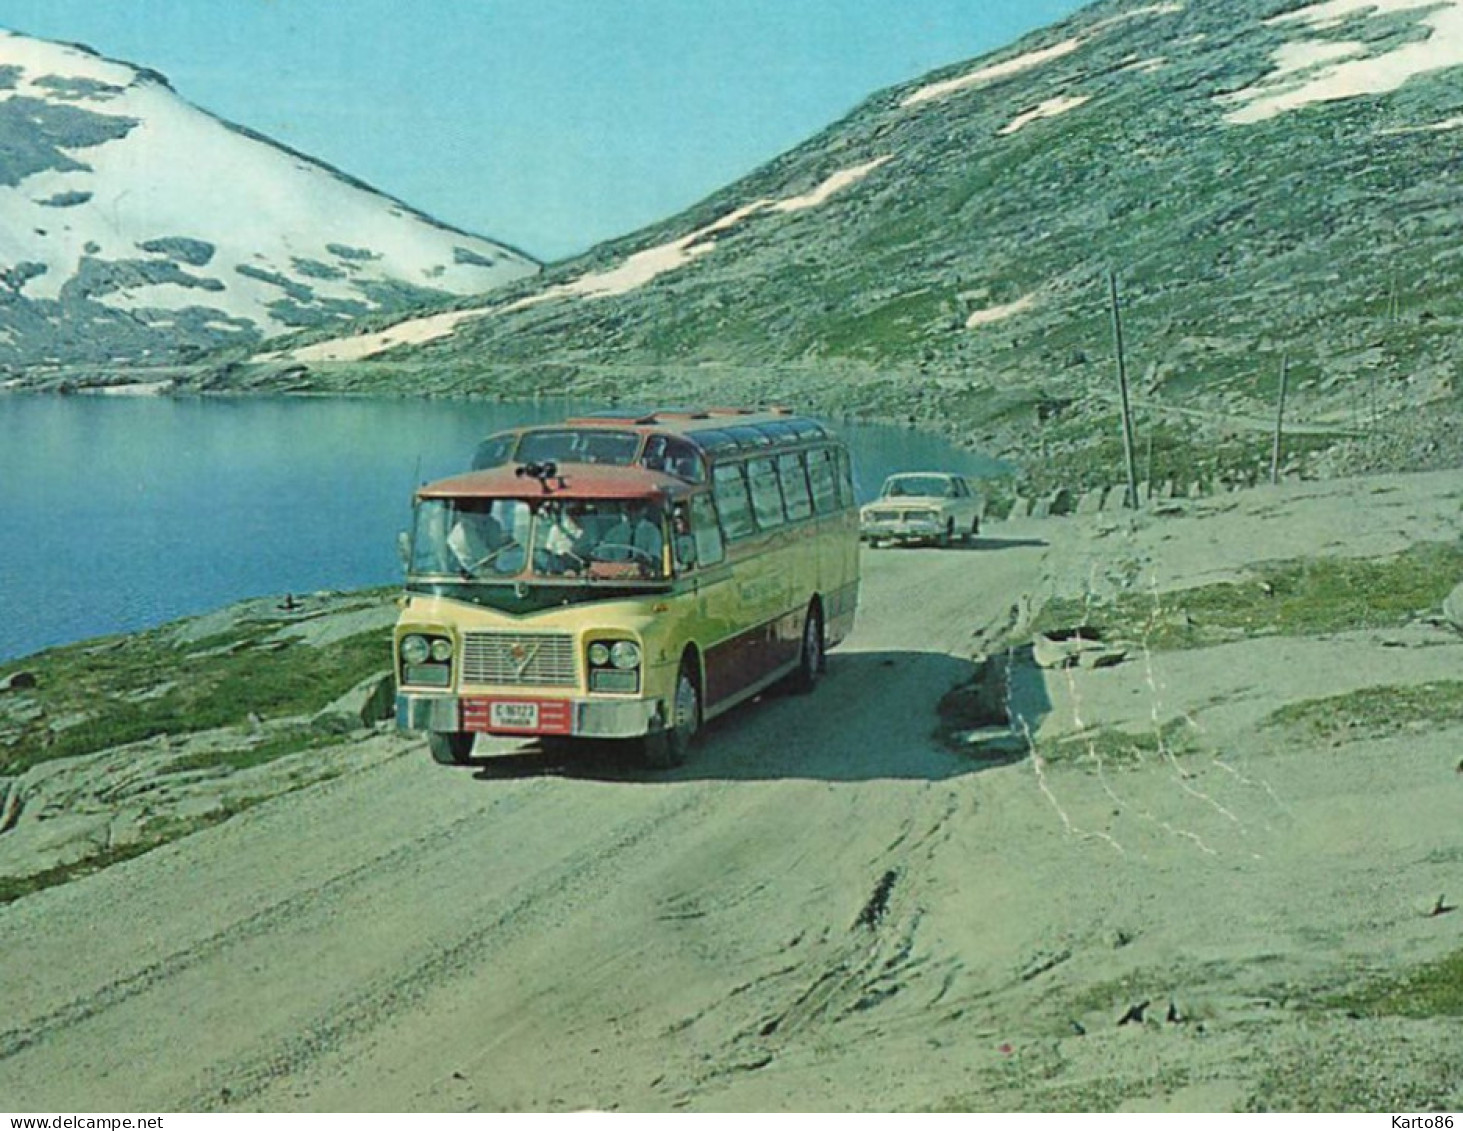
{"type": "Point", "coordinates": [136, 227]}
{"type": "Point", "coordinates": [1272, 183]}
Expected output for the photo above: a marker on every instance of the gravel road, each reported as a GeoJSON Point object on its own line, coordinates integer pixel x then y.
{"type": "Point", "coordinates": [528, 933]}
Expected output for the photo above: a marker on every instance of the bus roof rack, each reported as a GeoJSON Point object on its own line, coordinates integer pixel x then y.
{"type": "Point", "coordinates": [616, 416]}
{"type": "Point", "coordinates": [644, 416]}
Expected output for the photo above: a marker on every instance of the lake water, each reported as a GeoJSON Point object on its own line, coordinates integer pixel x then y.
{"type": "Point", "coordinates": [120, 513]}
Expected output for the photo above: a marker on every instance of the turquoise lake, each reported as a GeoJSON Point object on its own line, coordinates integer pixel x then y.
{"type": "Point", "coordinates": [120, 513]}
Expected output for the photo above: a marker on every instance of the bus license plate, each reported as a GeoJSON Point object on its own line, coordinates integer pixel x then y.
{"type": "Point", "coordinates": [515, 716]}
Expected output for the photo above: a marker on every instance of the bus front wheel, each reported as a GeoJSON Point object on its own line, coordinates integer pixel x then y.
{"type": "Point", "coordinates": [811, 658]}
{"type": "Point", "coordinates": [451, 748]}
{"type": "Point", "coordinates": [667, 749]}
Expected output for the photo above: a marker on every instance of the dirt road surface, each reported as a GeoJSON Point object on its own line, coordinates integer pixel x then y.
{"type": "Point", "coordinates": [825, 909]}
{"type": "Point", "coordinates": [525, 934]}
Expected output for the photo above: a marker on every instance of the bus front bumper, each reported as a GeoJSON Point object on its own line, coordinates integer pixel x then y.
{"type": "Point", "coordinates": [577, 718]}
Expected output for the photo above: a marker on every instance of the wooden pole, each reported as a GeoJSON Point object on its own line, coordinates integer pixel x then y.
{"type": "Point", "coordinates": [1279, 419]}
{"type": "Point", "coordinates": [1131, 500]}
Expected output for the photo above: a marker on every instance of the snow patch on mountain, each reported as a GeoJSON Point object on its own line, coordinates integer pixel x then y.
{"type": "Point", "coordinates": [636, 271]}
{"type": "Point", "coordinates": [1051, 108]}
{"type": "Point", "coordinates": [991, 314]}
{"type": "Point", "coordinates": [1007, 68]}
{"type": "Point", "coordinates": [1309, 71]}
{"type": "Point", "coordinates": [992, 73]}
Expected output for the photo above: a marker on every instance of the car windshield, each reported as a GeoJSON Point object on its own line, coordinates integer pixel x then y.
{"type": "Point", "coordinates": [471, 539]}
{"type": "Point", "coordinates": [926, 486]}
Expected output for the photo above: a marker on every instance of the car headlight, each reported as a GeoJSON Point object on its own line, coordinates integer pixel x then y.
{"type": "Point", "coordinates": [625, 654]}
{"type": "Point", "coordinates": [441, 649]}
{"type": "Point", "coordinates": [599, 653]}
{"type": "Point", "coordinates": [415, 649]}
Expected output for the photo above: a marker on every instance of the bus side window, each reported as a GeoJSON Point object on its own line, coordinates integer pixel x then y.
{"type": "Point", "coordinates": [845, 479]}
{"type": "Point", "coordinates": [821, 475]}
{"type": "Point", "coordinates": [732, 502]}
{"type": "Point", "coordinates": [766, 495]}
{"type": "Point", "coordinates": [673, 456]}
{"type": "Point", "coordinates": [684, 460]}
{"type": "Point", "coordinates": [705, 532]}
{"type": "Point", "coordinates": [795, 487]}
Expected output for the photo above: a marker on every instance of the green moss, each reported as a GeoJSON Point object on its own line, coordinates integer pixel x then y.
{"type": "Point", "coordinates": [1375, 710]}
{"type": "Point", "coordinates": [1434, 989]}
{"type": "Point", "coordinates": [294, 740]}
{"type": "Point", "coordinates": [1110, 747]}
{"type": "Point", "coordinates": [127, 689]}
{"type": "Point", "coordinates": [1307, 597]}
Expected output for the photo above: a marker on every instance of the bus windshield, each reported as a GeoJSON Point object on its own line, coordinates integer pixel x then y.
{"type": "Point", "coordinates": [475, 539]}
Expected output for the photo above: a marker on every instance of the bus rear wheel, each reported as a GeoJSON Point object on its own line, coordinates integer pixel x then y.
{"type": "Point", "coordinates": [666, 749]}
{"type": "Point", "coordinates": [451, 748]}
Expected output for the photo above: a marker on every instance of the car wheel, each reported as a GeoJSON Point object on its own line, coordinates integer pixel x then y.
{"type": "Point", "coordinates": [668, 748]}
{"type": "Point", "coordinates": [451, 748]}
{"type": "Point", "coordinates": [948, 537]}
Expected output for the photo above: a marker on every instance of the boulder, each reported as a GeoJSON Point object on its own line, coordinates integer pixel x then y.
{"type": "Point", "coordinates": [1075, 647]}
{"type": "Point", "coordinates": [1453, 607]}
{"type": "Point", "coordinates": [369, 702]}
{"type": "Point", "coordinates": [18, 681]}
{"type": "Point", "coordinates": [1060, 502]}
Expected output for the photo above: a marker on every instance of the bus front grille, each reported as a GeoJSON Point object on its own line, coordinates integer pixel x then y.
{"type": "Point", "coordinates": [523, 659]}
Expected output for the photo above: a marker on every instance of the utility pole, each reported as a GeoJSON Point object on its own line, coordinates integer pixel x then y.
{"type": "Point", "coordinates": [1131, 500]}
{"type": "Point", "coordinates": [1279, 419]}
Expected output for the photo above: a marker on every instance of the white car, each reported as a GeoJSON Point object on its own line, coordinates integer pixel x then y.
{"type": "Point", "coordinates": [922, 506]}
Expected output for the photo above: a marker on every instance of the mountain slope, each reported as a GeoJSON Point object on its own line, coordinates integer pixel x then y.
{"type": "Point", "coordinates": [133, 224]}
{"type": "Point", "coordinates": [1268, 179]}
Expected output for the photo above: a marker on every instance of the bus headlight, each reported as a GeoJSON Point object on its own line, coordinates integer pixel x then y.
{"type": "Point", "coordinates": [441, 649]}
{"type": "Point", "coordinates": [415, 649]}
{"type": "Point", "coordinates": [614, 667]}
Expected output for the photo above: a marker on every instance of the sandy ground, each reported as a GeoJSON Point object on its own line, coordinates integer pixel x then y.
{"type": "Point", "coordinates": [827, 908]}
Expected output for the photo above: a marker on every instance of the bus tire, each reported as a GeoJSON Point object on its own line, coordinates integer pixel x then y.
{"type": "Point", "coordinates": [451, 748]}
{"type": "Point", "coordinates": [666, 749]}
{"type": "Point", "coordinates": [811, 657]}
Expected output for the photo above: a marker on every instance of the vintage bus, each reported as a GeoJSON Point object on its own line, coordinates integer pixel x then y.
{"type": "Point", "coordinates": [625, 576]}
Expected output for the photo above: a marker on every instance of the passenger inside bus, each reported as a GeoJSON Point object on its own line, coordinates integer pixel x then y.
{"type": "Point", "coordinates": [474, 539]}
{"type": "Point", "coordinates": [563, 541]}
{"type": "Point", "coordinates": [633, 535]}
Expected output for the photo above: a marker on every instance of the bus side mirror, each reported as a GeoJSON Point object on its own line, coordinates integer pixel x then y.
{"type": "Point", "coordinates": [403, 549]}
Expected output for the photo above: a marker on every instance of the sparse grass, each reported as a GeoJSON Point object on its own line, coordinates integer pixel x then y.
{"type": "Point", "coordinates": [156, 834]}
{"type": "Point", "coordinates": [217, 682]}
{"type": "Point", "coordinates": [1375, 710]}
{"type": "Point", "coordinates": [1108, 747]}
{"type": "Point", "coordinates": [294, 740]}
{"type": "Point", "coordinates": [1434, 989]}
{"type": "Point", "coordinates": [1308, 597]}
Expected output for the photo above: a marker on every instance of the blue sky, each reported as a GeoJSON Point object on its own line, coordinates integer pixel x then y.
{"type": "Point", "coordinates": [548, 124]}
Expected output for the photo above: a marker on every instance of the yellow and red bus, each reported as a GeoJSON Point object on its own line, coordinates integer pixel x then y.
{"type": "Point", "coordinates": [625, 576]}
